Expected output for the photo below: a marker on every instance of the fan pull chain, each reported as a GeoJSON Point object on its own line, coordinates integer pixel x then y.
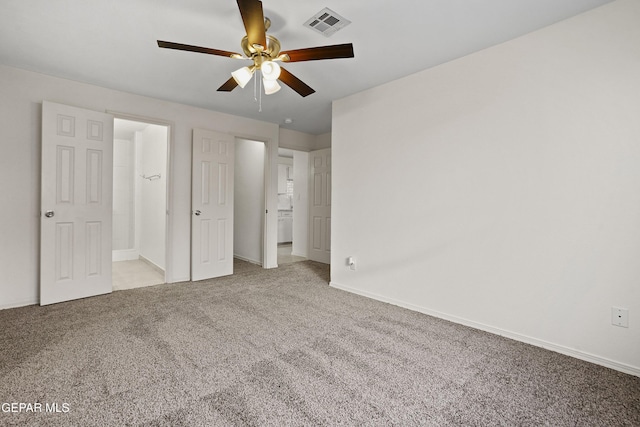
{"type": "Point", "coordinates": [260, 95]}
{"type": "Point", "coordinates": [255, 88]}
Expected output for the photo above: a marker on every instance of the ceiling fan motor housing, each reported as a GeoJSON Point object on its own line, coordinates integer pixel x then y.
{"type": "Point", "coordinates": [271, 51]}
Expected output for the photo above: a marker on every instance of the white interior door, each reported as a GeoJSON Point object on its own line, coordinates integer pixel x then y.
{"type": "Point", "coordinates": [320, 206]}
{"type": "Point", "coordinates": [76, 199]}
{"type": "Point", "coordinates": [212, 205]}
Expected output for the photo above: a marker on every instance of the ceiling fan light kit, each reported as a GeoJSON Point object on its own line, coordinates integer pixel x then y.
{"type": "Point", "coordinates": [270, 86]}
{"type": "Point", "coordinates": [270, 70]}
{"type": "Point", "coordinates": [243, 75]}
{"type": "Point", "coordinates": [264, 51]}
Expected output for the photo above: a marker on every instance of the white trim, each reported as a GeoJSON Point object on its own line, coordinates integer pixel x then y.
{"type": "Point", "coordinates": [252, 261]}
{"type": "Point", "coordinates": [17, 304]}
{"type": "Point", "coordinates": [118, 255]}
{"type": "Point", "coordinates": [168, 244]}
{"type": "Point", "coordinates": [152, 264]}
{"type": "Point", "coordinates": [588, 357]}
{"type": "Point", "coordinates": [266, 188]}
{"type": "Point", "coordinates": [267, 244]}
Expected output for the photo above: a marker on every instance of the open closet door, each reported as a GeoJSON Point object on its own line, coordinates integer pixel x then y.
{"type": "Point", "coordinates": [212, 204]}
{"type": "Point", "coordinates": [320, 206]}
{"type": "Point", "coordinates": [76, 199]}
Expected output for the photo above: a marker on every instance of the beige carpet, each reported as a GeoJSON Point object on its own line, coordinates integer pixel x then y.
{"type": "Point", "coordinates": [280, 347]}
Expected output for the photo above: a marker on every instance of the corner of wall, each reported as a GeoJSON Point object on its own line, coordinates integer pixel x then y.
{"type": "Point", "coordinates": [322, 141]}
{"type": "Point", "coordinates": [295, 140]}
{"type": "Point", "coordinates": [578, 354]}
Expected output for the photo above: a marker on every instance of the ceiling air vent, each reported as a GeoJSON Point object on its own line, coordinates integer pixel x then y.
{"type": "Point", "coordinates": [327, 22]}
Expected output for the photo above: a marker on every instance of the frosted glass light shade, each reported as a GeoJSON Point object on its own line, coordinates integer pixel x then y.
{"type": "Point", "coordinates": [270, 86]}
{"type": "Point", "coordinates": [270, 70]}
{"type": "Point", "coordinates": [242, 76]}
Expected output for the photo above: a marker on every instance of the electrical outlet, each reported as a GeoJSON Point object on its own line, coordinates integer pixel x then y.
{"type": "Point", "coordinates": [351, 262]}
{"type": "Point", "coordinates": [620, 317]}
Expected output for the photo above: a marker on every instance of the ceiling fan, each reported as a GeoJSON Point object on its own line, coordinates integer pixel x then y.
{"type": "Point", "coordinates": [264, 51]}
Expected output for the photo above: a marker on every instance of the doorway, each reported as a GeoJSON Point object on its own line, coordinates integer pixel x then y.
{"type": "Point", "coordinates": [292, 205]}
{"type": "Point", "coordinates": [140, 158]}
{"type": "Point", "coordinates": [249, 203]}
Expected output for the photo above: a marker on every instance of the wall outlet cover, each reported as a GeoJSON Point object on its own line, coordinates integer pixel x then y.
{"type": "Point", "coordinates": [620, 317]}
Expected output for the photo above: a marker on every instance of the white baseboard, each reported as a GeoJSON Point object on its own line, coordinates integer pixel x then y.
{"type": "Point", "coordinates": [252, 261]}
{"type": "Point", "coordinates": [598, 360]}
{"type": "Point", "coordinates": [124, 255]}
{"type": "Point", "coordinates": [152, 265]}
{"type": "Point", "coordinates": [17, 304]}
{"type": "Point", "coordinates": [179, 279]}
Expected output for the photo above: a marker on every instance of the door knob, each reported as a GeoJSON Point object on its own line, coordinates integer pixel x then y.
{"type": "Point", "coordinates": [197, 213]}
{"type": "Point", "coordinates": [48, 214]}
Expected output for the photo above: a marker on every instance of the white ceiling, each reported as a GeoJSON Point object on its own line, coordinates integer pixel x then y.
{"type": "Point", "coordinates": [112, 43]}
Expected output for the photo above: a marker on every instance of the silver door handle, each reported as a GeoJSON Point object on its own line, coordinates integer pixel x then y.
{"type": "Point", "coordinates": [197, 213]}
{"type": "Point", "coordinates": [49, 214]}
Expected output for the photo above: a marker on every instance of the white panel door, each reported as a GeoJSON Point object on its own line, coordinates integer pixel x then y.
{"type": "Point", "coordinates": [212, 205]}
{"type": "Point", "coordinates": [320, 206]}
{"type": "Point", "coordinates": [76, 203]}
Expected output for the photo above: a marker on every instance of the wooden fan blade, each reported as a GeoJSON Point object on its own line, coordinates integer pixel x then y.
{"type": "Point", "coordinates": [253, 19]}
{"type": "Point", "coordinates": [228, 86]}
{"type": "Point", "coordinates": [295, 83]}
{"type": "Point", "coordinates": [317, 53]}
{"type": "Point", "coordinates": [188, 47]}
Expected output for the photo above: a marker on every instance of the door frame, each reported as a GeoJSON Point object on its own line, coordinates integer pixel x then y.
{"type": "Point", "coordinates": [264, 195]}
{"type": "Point", "coordinates": [270, 229]}
{"type": "Point", "coordinates": [168, 262]}
{"type": "Point", "coordinates": [306, 184]}
{"type": "Point", "coordinates": [269, 215]}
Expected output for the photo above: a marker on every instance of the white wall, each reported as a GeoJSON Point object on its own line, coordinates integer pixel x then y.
{"type": "Point", "coordinates": [295, 140]}
{"type": "Point", "coordinates": [300, 203]}
{"type": "Point", "coordinates": [21, 96]}
{"type": "Point", "coordinates": [248, 200]}
{"type": "Point", "coordinates": [152, 204]}
{"type": "Point", "coordinates": [123, 195]}
{"type": "Point", "coordinates": [322, 141]}
{"type": "Point", "coordinates": [502, 190]}
{"type": "Point", "coordinates": [285, 161]}
{"type": "Point", "coordinates": [301, 141]}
